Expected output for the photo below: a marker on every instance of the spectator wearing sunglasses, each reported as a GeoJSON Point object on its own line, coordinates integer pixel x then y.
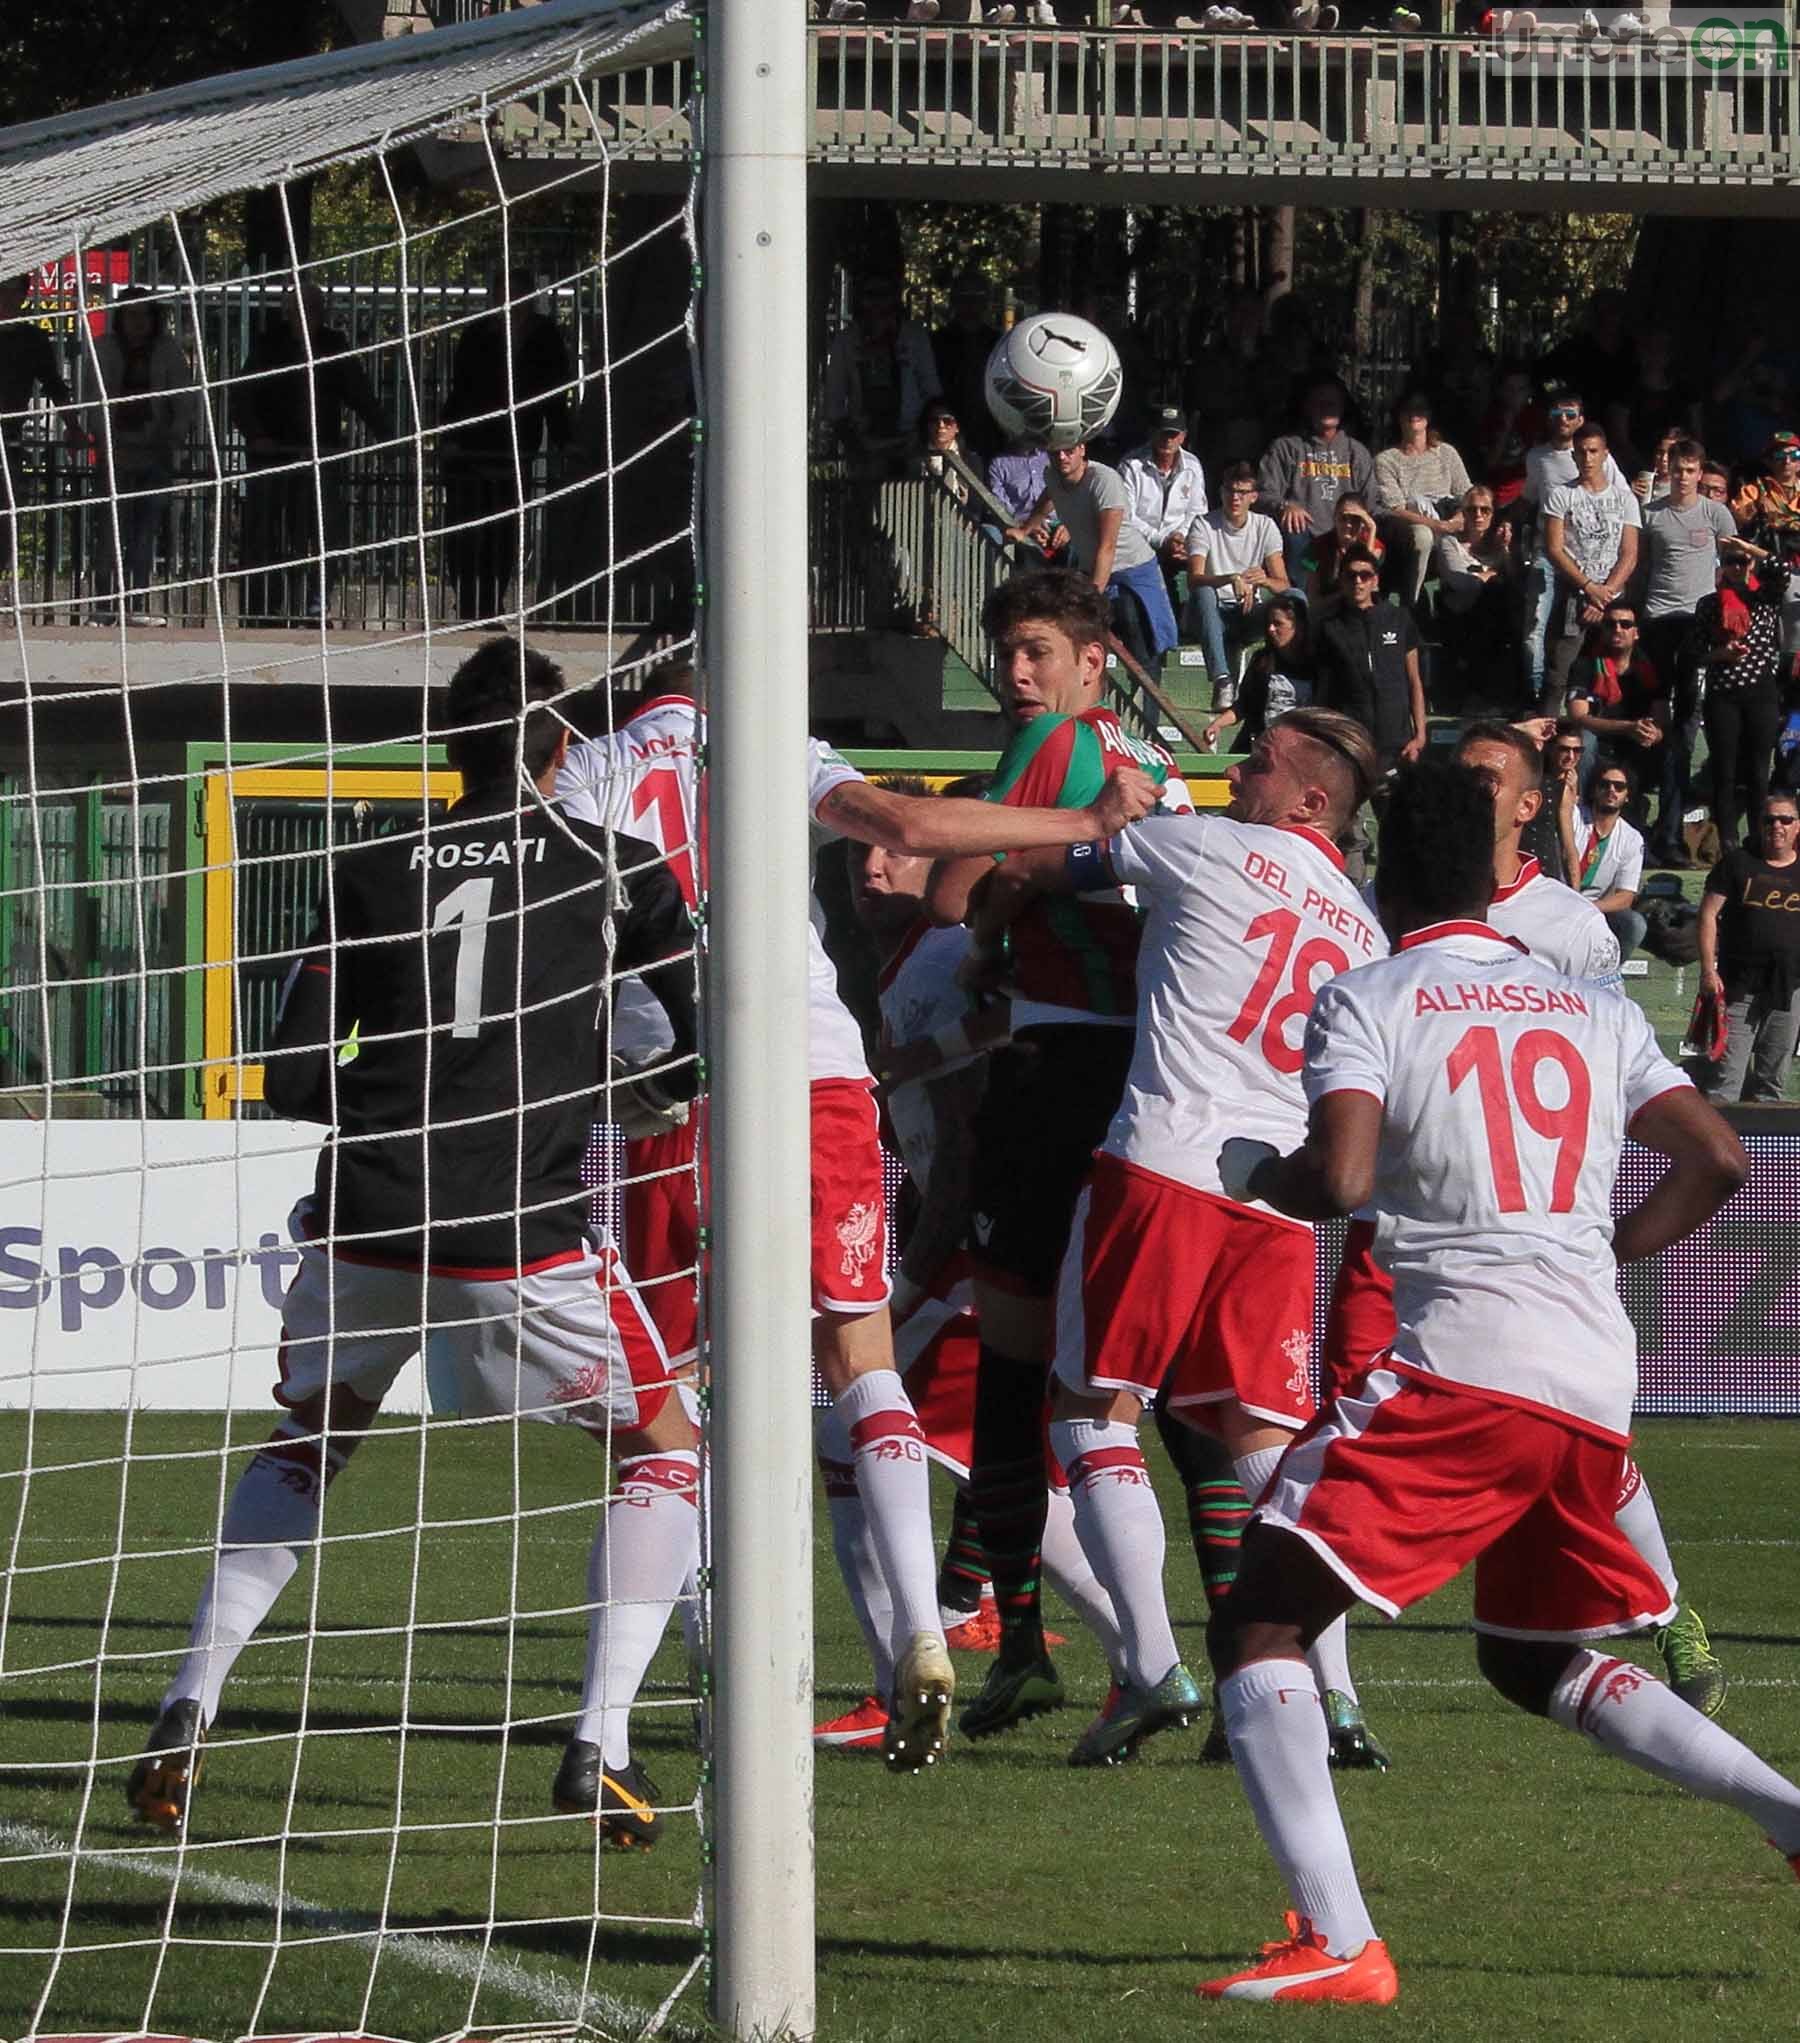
{"type": "Point", "coordinates": [1617, 696]}
{"type": "Point", "coordinates": [1750, 956]}
{"type": "Point", "coordinates": [1367, 660]}
{"type": "Point", "coordinates": [1604, 854]}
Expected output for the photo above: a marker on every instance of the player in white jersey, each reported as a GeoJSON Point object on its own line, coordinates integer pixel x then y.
{"type": "Point", "coordinates": [1478, 1100]}
{"type": "Point", "coordinates": [1167, 1272]}
{"type": "Point", "coordinates": [932, 1056]}
{"type": "Point", "coordinates": [610, 779]}
{"type": "Point", "coordinates": [1561, 929]}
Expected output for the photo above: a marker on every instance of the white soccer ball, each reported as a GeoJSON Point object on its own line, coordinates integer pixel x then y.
{"type": "Point", "coordinates": [1054, 380]}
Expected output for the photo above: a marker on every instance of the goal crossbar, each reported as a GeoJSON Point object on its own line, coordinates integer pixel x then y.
{"type": "Point", "coordinates": [133, 161]}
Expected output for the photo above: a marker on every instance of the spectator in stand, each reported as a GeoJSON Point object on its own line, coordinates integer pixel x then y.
{"type": "Point", "coordinates": [959, 352]}
{"type": "Point", "coordinates": [1601, 358]}
{"type": "Point", "coordinates": [1650, 484]}
{"type": "Point", "coordinates": [1566, 758]}
{"type": "Point", "coordinates": [1617, 696]}
{"type": "Point", "coordinates": [27, 363]}
{"type": "Point", "coordinates": [300, 373]}
{"type": "Point", "coordinates": [1352, 524]}
{"type": "Point", "coordinates": [1366, 661]}
{"type": "Point", "coordinates": [1659, 407]}
{"type": "Point", "coordinates": [1167, 488]}
{"type": "Point", "coordinates": [1739, 629]}
{"type": "Point", "coordinates": [1278, 678]}
{"type": "Point", "coordinates": [139, 435]}
{"type": "Point", "coordinates": [1684, 536]}
{"type": "Point", "coordinates": [1750, 957]}
{"type": "Point", "coordinates": [1228, 382]}
{"type": "Point", "coordinates": [880, 374]}
{"type": "Point", "coordinates": [1715, 483]}
{"type": "Point", "coordinates": [1591, 531]}
{"type": "Point", "coordinates": [1773, 521]}
{"type": "Point", "coordinates": [941, 451]}
{"type": "Point", "coordinates": [1604, 855]}
{"type": "Point", "coordinates": [1091, 501]}
{"type": "Point", "coordinates": [1235, 566]}
{"type": "Point", "coordinates": [1413, 479]}
{"type": "Point", "coordinates": [1478, 584]}
{"type": "Point", "coordinates": [1016, 479]}
{"type": "Point", "coordinates": [1548, 464]}
{"type": "Point", "coordinates": [1514, 424]}
{"type": "Point", "coordinates": [1303, 474]}
{"type": "Point", "coordinates": [509, 395]}
{"type": "Point", "coordinates": [1751, 400]}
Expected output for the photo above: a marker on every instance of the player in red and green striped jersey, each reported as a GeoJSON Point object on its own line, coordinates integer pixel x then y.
{"type": "Point", "coordinates": [1071, 974]}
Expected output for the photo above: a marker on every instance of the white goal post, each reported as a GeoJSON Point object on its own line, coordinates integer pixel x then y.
{"type": "Point", "coordinates": [350, 587]}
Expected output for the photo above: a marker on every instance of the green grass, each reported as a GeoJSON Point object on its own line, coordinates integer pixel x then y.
{"type": "Point", "coordinates": [1525, 1884]}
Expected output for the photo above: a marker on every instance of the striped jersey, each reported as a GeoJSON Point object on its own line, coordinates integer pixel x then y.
{"type": "Point", "coordinates": [1075, 956]}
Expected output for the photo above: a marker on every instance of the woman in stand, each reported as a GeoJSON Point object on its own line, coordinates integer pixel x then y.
{"type": "Point", "coordinates": [1739, 627]}
{"type": "Point", "coordinates": [1278, 678]}
{"type": "Point", "coordinates": [1352, 524]}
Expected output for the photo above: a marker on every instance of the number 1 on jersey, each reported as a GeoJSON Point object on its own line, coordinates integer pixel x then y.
{"type": "Point", "coordinates": [1478, 1050]}
{"type": "Point", "coordinates": [465, 909]}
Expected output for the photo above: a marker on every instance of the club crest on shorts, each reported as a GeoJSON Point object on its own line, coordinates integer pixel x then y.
{"type": "Point", "coordinates": [857, 1235]}
{"type": "Point", "coordinates": [1298, 1349]}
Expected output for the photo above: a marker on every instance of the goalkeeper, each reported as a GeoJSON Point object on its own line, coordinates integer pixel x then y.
{"type": "Point", "coordinates": [470, 958]}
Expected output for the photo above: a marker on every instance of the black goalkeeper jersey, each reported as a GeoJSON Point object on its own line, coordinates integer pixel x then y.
{"type": "Point", "coordinates": [463, 973]}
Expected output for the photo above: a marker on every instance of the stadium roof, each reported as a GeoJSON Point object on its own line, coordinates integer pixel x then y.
{"type": "Point", "coordinates": [89, 177]}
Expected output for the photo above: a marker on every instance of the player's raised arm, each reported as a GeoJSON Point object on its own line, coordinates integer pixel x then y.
{"type": "Point", "coordinates": [656, 941]}
{"type": "Point", "coordinates": [949, 826]}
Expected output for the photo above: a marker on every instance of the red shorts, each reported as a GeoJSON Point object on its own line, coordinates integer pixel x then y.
{"type": "Point", "coordinates": [937, 1349]}
{"type": "Point", "coordinates": [1404, 1480]}
{"type": "Point", "coordinates": [849, 1202]}
{"type": "Point", "coordinates": [1360, 1323]}
{"type": "Point", "coordinates": [662, 1233]}
{"type": "Point", "coordinates": [1159, 1276]}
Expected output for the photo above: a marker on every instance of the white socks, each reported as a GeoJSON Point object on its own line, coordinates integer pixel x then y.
{"type": "Point", "coordinates": [1276, 1725]}
{"type": "Point", "coordinates": [645, 1546]}
{"type": "Point", "coordinates": [1630, 1712]}
{"type": "Point", "coordinates": [1120, 1527]}
{"type": "Point", "coordinates": [1070, 1573]}
{"type": "Point", "coordinates": [272, 1512]}
{"type": "Point", "coordinates": [1254, 1470]}
{"type": "Point", "coordinates": [855, 1550]}
{"type": "Point", "coordinates": [887, 1450]}
{"type": "Point", "coordinates": [1329, 1654]}
{"type": "Point", "coordinates": [1636, 1518]}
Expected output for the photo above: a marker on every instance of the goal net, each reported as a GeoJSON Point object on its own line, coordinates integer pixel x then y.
{"type": "Point", "coordinates": [320, 378]}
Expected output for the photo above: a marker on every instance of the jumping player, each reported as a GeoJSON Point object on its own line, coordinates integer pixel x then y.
{"type": "Point", "coordinates": [933, 1040]}
{"type": "Point", "coordinates": [1558, 927]}
{"type": "Point", "coordinates": [852, 1338]}
{"type": "Point", "coordinates": [1478, 1099]}
{"type": "Point", "coordinates": [1169, 1272]}
{"type": "Point", "coordinates": [1050, 1094]}
{"type": "Point", "coordinates": [467, 959]}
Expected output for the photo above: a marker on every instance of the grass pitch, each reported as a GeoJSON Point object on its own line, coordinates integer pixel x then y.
{"type": "Point", "coordinates": [1525, 1884]}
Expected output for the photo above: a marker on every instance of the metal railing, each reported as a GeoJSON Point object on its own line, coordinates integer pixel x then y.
{"type": "Point", "coordinates": [1415, 108]}
{"type": "Point", "coordinates": [259, 530]}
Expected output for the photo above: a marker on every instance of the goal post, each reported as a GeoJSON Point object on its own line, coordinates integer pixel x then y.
{"type": "Point", "coordinates": [753, 638]}
{"type": "Point", "coordinates": [369, 1848]}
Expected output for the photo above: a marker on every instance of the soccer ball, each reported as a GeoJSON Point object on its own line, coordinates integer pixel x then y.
{"type": "Point", "coordinates": [1053, 380]}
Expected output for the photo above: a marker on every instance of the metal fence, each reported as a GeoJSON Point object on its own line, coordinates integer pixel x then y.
{"type": "Point", "coordinates": [1413, 107]}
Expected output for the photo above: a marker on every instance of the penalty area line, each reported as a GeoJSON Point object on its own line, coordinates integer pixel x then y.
{"type": "Point", "coordinates": [426, 1950]}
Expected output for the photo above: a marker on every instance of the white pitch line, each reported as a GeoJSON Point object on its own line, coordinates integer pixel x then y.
{"type": "Point", "coordinates": [551, 1996]}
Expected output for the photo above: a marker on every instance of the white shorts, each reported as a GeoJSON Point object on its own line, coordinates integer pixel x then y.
{"type": "Point", "coordinates": [569, 1343]}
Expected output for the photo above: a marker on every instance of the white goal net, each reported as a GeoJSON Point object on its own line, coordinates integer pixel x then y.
{"type": "Point", "coordinates": [315, 381]}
